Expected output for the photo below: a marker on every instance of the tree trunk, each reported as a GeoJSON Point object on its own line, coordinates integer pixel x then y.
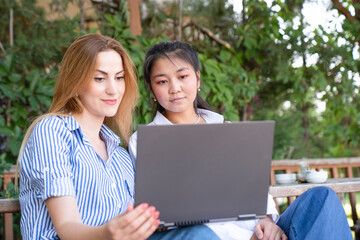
{"type": "Point", "coordinates": [82, 14]}
{"type": "Point", "coordinates": [179, 36]}
{"type": "Point", "coordinates": [135, 22]}
{"type": "Point", "coordinates": [11, 27]}
{"type": "Point", "coordinates": [245, 112]}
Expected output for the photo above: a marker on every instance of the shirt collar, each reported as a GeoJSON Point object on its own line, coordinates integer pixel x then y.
{"type": "Point", "coordinates": [109, 135]}
{"type": "Point", "coordinates": [105, 131]}
{"type": "Point", "coordinates": [160, 119]}
{"type": "Point", "coordinates": [209, 116]}
{"type": "Point", "coordinates": [70, 122]}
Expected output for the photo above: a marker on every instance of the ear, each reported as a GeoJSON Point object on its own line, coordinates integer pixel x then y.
{"type": "Point", "coordinates": [198, 80]}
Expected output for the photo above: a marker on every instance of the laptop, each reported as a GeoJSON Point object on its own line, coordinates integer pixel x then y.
{"type": "Point", "coordinates": [196, 174]}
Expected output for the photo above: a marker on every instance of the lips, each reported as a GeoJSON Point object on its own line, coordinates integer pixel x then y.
{"type": "Point", "coordinates": [110, 101]}
{"type": "Point", "coordinates": [176, 100]}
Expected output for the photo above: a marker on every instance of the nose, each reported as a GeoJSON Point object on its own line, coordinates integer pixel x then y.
{"type": "Point", "coordinates": [111, 87]}
{"type": "Point", "coordinates": [175, 87]}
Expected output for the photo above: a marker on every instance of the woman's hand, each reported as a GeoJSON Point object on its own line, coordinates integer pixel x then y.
{"type": "Point", "coordinates": [136, 223]}
{"type": "Point", "coordinates": [266, 229]}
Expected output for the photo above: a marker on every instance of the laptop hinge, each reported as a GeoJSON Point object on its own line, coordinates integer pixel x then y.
{"type": "Point", "coordinates": [191, 222]}
{"type": "Point", "coordinates": [249, 216]}
{"type": "Point", "coordinates": [163, 224]}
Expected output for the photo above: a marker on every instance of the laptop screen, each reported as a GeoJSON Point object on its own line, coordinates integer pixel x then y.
{"type": "Point", "coordinates": [204, 173]}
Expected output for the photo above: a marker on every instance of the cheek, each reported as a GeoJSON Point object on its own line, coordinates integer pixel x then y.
{"type": "Point", "coordinates": [90, 93]}
{"type": "Point", "coordinates": [191, 88]}
{"type": "Point", "coordinates": [121, 87]}
{"type": "Point", "coordinates": [158, 91]}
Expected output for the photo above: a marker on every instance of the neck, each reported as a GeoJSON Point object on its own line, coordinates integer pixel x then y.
{"type": "Point", "coordinates": [190, 117]}
{"type": "Point", "coordinates": [89, 124]}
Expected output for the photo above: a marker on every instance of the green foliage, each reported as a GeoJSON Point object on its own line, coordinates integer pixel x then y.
{"type": "Point", "coordinates": [27, 68]}
{"type": "Point", "coordinates": [23, 97]}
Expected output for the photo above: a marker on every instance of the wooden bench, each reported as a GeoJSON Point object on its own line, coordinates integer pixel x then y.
{"type": "Point", "coordinates": [339, 185]}
{"type": "Point", "coordinates": [8, 206]}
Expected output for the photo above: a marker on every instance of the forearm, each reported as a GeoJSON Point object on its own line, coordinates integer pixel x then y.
{"type": "Point", "coordinates": [67, 220]}
{"type": "Point", "coordinates": [79, 231]}
{"type": "Point", "coordinates": [136, 223]}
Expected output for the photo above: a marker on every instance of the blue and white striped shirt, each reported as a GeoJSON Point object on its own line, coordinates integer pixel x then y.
{"type": "Point", "coordinates": [59, 160]}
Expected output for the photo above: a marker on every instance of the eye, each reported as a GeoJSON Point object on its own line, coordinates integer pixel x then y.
{"type": "Point", "coordinates": [161, 82]}
{"type": "Point", "coordinates": [99, 79]}
{"type": "Point", "coordinates": [120, 78]}
{"type": "Point", "coordinates": [183, 76]}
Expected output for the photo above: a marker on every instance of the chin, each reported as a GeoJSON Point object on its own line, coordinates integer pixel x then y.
{"type": "Point", "coordinates": [109, 114]}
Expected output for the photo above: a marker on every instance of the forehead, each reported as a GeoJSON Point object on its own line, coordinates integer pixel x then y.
{"type": "Point", "coordinates": [109, 59]}
{"type": "Point", "coordinates": [171, 63]}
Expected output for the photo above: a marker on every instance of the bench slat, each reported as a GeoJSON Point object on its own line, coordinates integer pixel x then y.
{"type": "Point", "coordinates": [9, 205]}
{"type": "Point", "coordinates": [339, 185]}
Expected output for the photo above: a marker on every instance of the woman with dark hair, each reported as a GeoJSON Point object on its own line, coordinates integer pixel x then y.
{"type": "Point", "coordinates": [172, 73]}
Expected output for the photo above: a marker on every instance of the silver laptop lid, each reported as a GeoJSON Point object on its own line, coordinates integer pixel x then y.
{"type": "Point", "coordinates": [203, 173]}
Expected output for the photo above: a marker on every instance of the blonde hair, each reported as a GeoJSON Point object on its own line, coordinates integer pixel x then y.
{"type": "Point", "coordinates": [75, 73]}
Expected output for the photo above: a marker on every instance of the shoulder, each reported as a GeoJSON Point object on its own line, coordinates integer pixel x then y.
{"type": "Point", "coordinates": [210, 116]}
{"type": "Point", "coordinates": [49, 123]}
{"type": "Point", "coordinates": [54, 127]}
{"type": "Point", "coordinates": [49, 137]}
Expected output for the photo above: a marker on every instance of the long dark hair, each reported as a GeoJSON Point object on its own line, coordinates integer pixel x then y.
{"type": "Point", "coordinates": [177, 49]}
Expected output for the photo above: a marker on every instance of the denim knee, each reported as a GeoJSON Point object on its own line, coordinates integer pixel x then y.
{"type": "Point", "coordinates": [196, 232]}
{"type": "Point", "coordinates": [199, 232]}
{"type": "Point", "coordinates": [321, 193]}
{"type": "Point", "coordinates": [316, 212]}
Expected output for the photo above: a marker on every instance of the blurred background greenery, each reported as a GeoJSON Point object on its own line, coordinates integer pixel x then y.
{"type": "Point", "coordinates": [257, 63]}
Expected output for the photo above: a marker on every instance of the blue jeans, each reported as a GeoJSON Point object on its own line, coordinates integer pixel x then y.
{"type": "Point", "coordinates": [197, 232]}
{"type": "Point", "coordinates": [316, 214]}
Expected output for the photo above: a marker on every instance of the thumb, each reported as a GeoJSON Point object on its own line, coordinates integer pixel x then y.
{"type": "Point", "coordinates": [259, 230]}
{"type": "Point", "coordinates": [130, 207]}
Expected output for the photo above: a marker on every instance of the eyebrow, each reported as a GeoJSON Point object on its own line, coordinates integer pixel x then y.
{"type": "Point", "coordinates": [179, 70]}
{"type": "Point", "coordinates": [105, 73]}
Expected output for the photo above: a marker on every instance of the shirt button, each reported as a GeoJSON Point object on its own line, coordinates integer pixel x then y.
{"type": "Point", "coordinates": [46, 169]}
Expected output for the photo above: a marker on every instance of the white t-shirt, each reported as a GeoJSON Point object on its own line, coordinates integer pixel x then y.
{"type": "Point", "coordinates": [229, 230]}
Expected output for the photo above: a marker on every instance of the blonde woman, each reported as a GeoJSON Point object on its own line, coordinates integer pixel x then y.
{"type": "Point", "coordinates": [76, 182]}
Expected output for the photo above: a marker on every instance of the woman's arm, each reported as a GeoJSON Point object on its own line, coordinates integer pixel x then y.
{"type": "Point", "coordinates": [136, 223]}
